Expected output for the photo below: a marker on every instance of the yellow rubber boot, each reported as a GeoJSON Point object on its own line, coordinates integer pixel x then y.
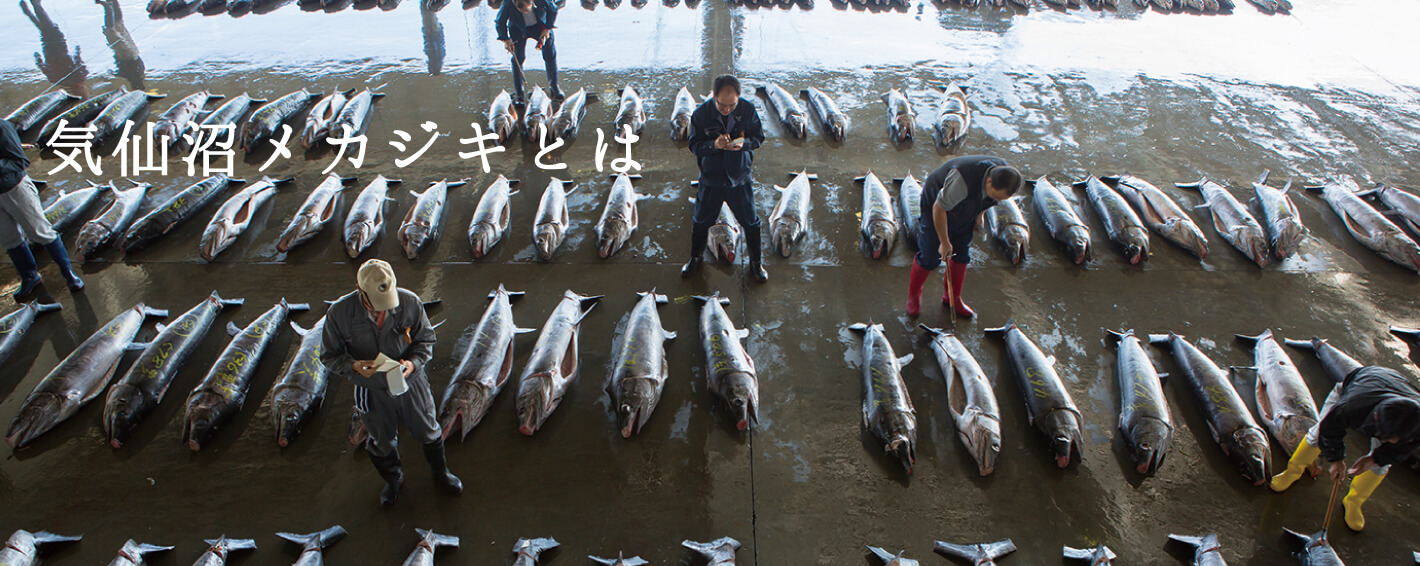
{"type": "Point", "coordinates": [1296, 466]}
{"type": "Point", "coordinates": [1362, 486]}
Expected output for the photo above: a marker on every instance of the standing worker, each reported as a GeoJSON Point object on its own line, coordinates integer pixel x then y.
{"type": "Point", "coordinates": [22, 219]}
{"type": "Point", "coordinates": [521, 20]}
{"type": "Point", "coordinates": [725, 131]}
{"type": "Point", "coordinates": [960, 192]}
{"type": "Point", "coordinates": [377, 319]}
{"type": "Point", "coordinates": [1382, 404]}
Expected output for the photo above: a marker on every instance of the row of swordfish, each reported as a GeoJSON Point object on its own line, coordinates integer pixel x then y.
{"type": "Point", "coordinates": [1284, 403]}
{"type": "Point", "coordinates": [24, 547]}
{"type": "Point", "coordinates": [1267, 227]}
{"type": "Point", "coordinates": [484, 368]}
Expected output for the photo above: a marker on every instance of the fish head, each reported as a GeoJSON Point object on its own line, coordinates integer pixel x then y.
{"type": "Point", "coordinates": [547, 238]}
{"type": "Point", "coordinates": [467, 403]}
{"type": "Point", "coordinates": [537, 124]}
{"type": "Point", "coordinates": [302, 228]}
{"type": "Point", "coordinates": [881, 236]}
{"type": "Point", "coordinates": [90, 239]}
{"type": "Point", "coordinates": [982, 435]}
{"type": "Point", "coordinates": [902, 127]}
{"type": "Point", "coordinates": [359, 237]}
{"type": "Point", "coordinates": [219, 236]}
{"type": "Point", "coordinates": [1151, 444]}
{"type": "Point", "coordinates": [1402, 250]}
{"type": "Point", "coordinates": [636, 398]}
{"type": "Point", "coordinates": [1250, 449]}
{"type": "Point", "coordinates": [482, 237]}
{"type": "Point", "coordinates": [951, 128]}
{"type": "Point", "coordinates": [785, 233]}
{"type": "Point", "coordinates": [201, 421]}
{"type": "Point", "coordinates": [1256, 245]}
{"type": "Point", "coordinates": [534, 399]}
{"type": "Point", "coordinates": [837, 128]}
{"type": "Point", "coordinates": [680, 127]}
{"type": "Point", "coordinates": [504, 125]}
{"type": "Point", "coordinates": [249, 136]}
{"type": "Point", "coordinates": [899, 433]}
{"type": "Point", "coordinates": [1078, 242]}
{"type": "Point", "coordinates": [1187, 235]}
{"type": "Point", "coordinates": [1287, 238]}
{"type": "Point", "coordinates": [742, 393]}
{"type": "Point", "coordinates": [125, 407]}
{"type": "Point", "coordinates": [288, 412]}
{"type": "Point", "coordinates": [1017, 241]}
{"type": "Point", "coordinates": [614, 235]}
{"type": "Point", "coordinates": [798, 125]}
{"type": "Point", "coordinates": [413, 236]}
{"type": "Point", "coordinates": [1062, 426]}
{"type": "Point", "coordinates": [1136, 252]}
{"type": "Point", "coordinates": [723, 241]}
{"type": "Point", "coordinates": [40, 413]}
{"type": "Point", "coordinates": [1292, 428]}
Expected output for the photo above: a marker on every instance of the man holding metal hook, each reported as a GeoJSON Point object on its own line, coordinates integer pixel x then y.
{"type": "Point", "coordinates": [1382, 404]}
{"type": "Point", "coordinates": [521, 20]}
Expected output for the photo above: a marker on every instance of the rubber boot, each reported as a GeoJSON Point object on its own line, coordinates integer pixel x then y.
{"type": "Point", "coordinates": [434, 453]}
{"type": "Point", "coordinates": [388, 466]}
{"type": "Point", "coordinates": [756, 262]}
{"type": "Point", "coordinates": [956, 277]}
{"type": "Point", "coordinates": [29, 272]}
{"type": "Point", "coordinates": [1362, 486]}
{"type": "Point", "coordinates": [698, 238]}
{"type": "Point", "coordinates": [61, 258]}
{"type": "Point", "coordinates": [914, 288]}
{"type": "Point", "coordinates": [1296, 465]}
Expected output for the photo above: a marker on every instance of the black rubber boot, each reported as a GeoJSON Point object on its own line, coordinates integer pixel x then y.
{"type": "Point", "coordinates": [434, 453]}
{"type": "Point", "coordinates": [388, 467]}
{"type": "Point", "coordinates": [61, 258]}
{"type": "Point", "coordinates": [756, 265]}
{"type": "Point", "coordinates": [698, 238]}
{"type": "Point", "coordinates": [29, 272]}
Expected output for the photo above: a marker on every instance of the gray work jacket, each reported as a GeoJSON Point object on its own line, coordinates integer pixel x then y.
{"type": "Point", "coordinates": [351, 334]}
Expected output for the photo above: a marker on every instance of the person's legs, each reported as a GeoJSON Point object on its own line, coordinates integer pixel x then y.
{"type": "Point", "coordinates": [419, 418]}
{"type": "Point", "coordinates": [926, 261]}
{"type": "Point", "coordinates": [380, 413]}
{"type": "Point", "coordinates": [707, 208]}
{"type": "Point", "coordinates": [519, 55]}
{"type": "Point", "coordinates": [24, 207]}
{"type": "Point", "coordinates": [14, 243]}
{"type": "Point", "coordinates": [1362, 486]}
{"type": "Point", "coordinates": [956, 272]}
{"type": "Point", "coordinates": [741, 202]}
{"type": "Point", "coordinates": [549, 57]}
{"type": "Point", "coordinates": [1307, 451]}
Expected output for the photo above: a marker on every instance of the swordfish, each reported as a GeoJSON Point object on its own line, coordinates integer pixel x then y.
{"type": "Point", "coordinates": [554, 362]}
{"type": "Point", "coordinates": [879, 226]}
{"type": "Point", "coordinates": [100, 232]}
{"type": "Point", "coordinates": [1232, 220]}
{"type": "Point", "coordinates": [887, 408]}
{"type": "Point", "coordinates": [1279, 215]}
{"type": "Point", "coordinates": [318, 209]}
{"type": "Point", "coordinates": [1229, 421]}
{"type": "Point", "coordinates": [1161, 213]}
{"type": "Point", "coordinates": [641, 370]}
{"type": "Point", "coordinates": [235, 215]}
{"type": "Point", "coordinates": [484, 367]}
{"type": "Point", "coordinates": [728, 367]}
{"type": "Point", "coordinates": [790, 220]}
{"type": "Point", "coordinates": [1058, 213]}
{"type": "Point", "coordinates": [1283, 400]}
{"type": "Point", "coordinates": [367, 216]}
{"type": "Point", "coordinates": [552, 221]}
{"type": "Point", "coordinates": [970, 399]}
{"type": "Point", "coordinates": [1123, 225]}
{"type": "Point", "coordinates": [425, 219]}
{"type": "Point", "coordinates": [1370, 227]}
{"type": "Point", "coordinates": [1048, 403]}
{"type": "Point", "coordinates": [492, 217]}
{"type": "Point", "coordinates": [1144, 417]}
{"type": "Point", "coordinates": [620, 217]}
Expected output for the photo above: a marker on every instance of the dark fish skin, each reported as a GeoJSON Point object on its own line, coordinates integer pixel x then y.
{"type": "Point", "coordinates": [230, 114]}
{"type": "Point", "coordinates": [355, 115]}
{"type": "Point", "coordinates": [111, 119]}
{"type": "Point", "coordinates": [99, 232]}
{"type": "Point", "coordinates": [222, 393]}
{"type": "Point", "coordinates": [1144, 417]}
{"type": "Point", "coordinates": [182, 117]}
{"type": "Point", "coordinates": [70, 207]}
{"type": "Point", "coordinates": [1337, 363]}
{"type": "Point", "coordinates": [833, 121]}
{"type": "Point", "coordinates": [787, 108]}
{"type": "Point", "coordinates": [135, 395]}
{"type": "Point", "coordinates": [79, 114]}
{"type": "Point", "coordinates": [641, 371]}
{"type": "Point", "coordinates": [265, 121]}
{"type": "Point", "coordinates": [1061, 220]}
{"type": "Point", "coordinates": [78, 379]}
{"type": "Point", "coordinates": [39, 108]}
{"type": "Point", "coordinates": [318, 209]}
{"type": "Point", "coordinates": [887, 408]}
{"type": "Point", "coordinates": [312, 544]}
{"type": "Point", "coordinates": [554, 363]}
{"type": "Point", "coordinates": [484, 367]}
{"type": "Point", "coordinates": [366, 220]}
{"type": "Point", "coordinates": [178, 209]}
{"type": "Point", "coordinates": [1120, 221]}
{"type": "Point", "coordinates": [301, 390]}
{"type": "Point", "coordinates": [728, 367]}
{"type": "Point", "coordinates": [15, 325]}
{"type": "Point", "coordinates": [1006, 223]}
{"type": "Point", "coordinates": [318, 121]}
{"type": "Point", "coordinates": [1229, 419]}
{"type": "Point", "coordinates": [1048, 403]}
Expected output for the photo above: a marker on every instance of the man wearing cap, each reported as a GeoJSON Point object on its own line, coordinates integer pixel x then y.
{"type": "Point", "coordinates": [959, 191]}
{"type": "Point", "coordinates": [380, 318]}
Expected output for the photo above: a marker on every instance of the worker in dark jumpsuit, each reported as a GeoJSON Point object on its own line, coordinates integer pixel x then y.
{"type": "Point", "coordinates": [380, 318]}
{"type": "Point", "coordinates": [22, 218]}
{"type": "Point", "coordinates": [1381, 403]}
{"type": "Point", "coordinates": [960, 192]}
{"type": "Point", "coordinates": [517, 22]}
{"type": "Point", "coordinates": [725, 176]}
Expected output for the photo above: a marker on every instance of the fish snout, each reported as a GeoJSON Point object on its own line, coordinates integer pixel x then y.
{"type": "Point", "coordinates": [627, 417]}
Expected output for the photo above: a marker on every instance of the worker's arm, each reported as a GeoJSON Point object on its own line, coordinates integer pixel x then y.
{"type": "Point", "coordinates": [754, 129]}
{"type": "Point", "coordinates": [1331, 435]}
{"type": "Point", "coordinates": [704, 130]}
{"type": "Point", "coordinates": [337, 359]}
{"type": "Point", "coordinates": [939, 220]}
{"type": "Point", "coordinates": [551, 7]}
{"type": "Point", "coordinates": [500, 21]}
{"type": "Point", "coordinates": [421, 335]}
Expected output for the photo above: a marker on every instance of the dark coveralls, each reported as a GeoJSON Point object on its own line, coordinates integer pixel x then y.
{"type": "Point", "coordinates": [510, 25]}
{"type": "Point", "coordinates": [351, 334]}
{"type": "Point", "coordinates": [1352, 405]}
{"type": "Point", "coordinates": [963, 173]}
{"type": "Point", "coordinates": [725, 176]}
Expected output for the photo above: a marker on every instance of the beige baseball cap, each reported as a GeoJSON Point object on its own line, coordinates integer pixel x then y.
{"type": "Point", "coordinates": [376, 279]}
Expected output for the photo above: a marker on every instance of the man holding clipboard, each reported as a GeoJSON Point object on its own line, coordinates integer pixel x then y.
{"type": "Point", "coordinates": [725, 131]}
{"type": "Point", "coordinates": [379, 338]}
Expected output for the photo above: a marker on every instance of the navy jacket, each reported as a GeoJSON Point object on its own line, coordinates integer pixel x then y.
{"type": "Point", "coordinates": [13, 162]}
{"type": "Point", "coordinates": [1361, 393]}
{"type": "Point", "coordinates": [511, 20]}
{"type": "Point", "coordinates": [720, 167]}
{"type": "Point", "coordinates": [973, 170]}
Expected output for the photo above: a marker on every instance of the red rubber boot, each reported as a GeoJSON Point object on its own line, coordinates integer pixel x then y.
{"type": "Point", "coordinates": [914, 289]}
{"type": "Point", "coordinates": [955, 278]}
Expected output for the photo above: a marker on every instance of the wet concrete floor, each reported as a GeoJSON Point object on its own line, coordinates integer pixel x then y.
{"type": "Point", "coordinates": [1326, 92]}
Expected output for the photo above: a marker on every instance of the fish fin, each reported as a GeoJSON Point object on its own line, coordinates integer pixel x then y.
{"type": "Point", "coordinates": [1010, 323]}
{"type": "Point", "coordinates": [297, 307]}
{"type": "Point", "coordinates": [1262, 179]}
{"type": "Point", "coordinates": [1314, 188]}
{"type": "Point", "coordinates": [1161, 338]}
{"type": "Point", "coordinates": [46, 537]}
{"type": "Point", "coordinates": [39, 308]}
{"type": "Point", "coordinates": [742, 333]}
{"type": "Point", "coordinates": [230, 302]}
{"type": "Point", "coordinates": [142, 548]}
{"type": "Point", "coordinates": [462, 183]}
{"type": "Point", "coordinates": [931, 331]}
{"type": "Point", "coordinates": [282, 181]}
{"type": "Point", "coordinates": [233, 329]}
{"type": "Point", "coordinates": [1110, 179]}
{"type": "Point", "coordinates": [858, 327]}
{"type": "Point", "coordinates": [161, 327]}
{"type": "Point", "coordinates": [1253, 340]}
{"type": "Point", "coordinates": [883, 555]}
{"type": "Point", "coordinates": [1076, 553]}
{"type": "Point", "coordinates": [1119, 336]}
{"type": "Point", "coordinates": [905, 360]}
{"type": "Point", "coordinates": [779, 188]}
{"type": "Point", "coordinates": [1050, 360]}
{"type": "Point", "coordinates": [523, 330]}
{"type": "Point", "coordinates": [1195, 542]}
{"type": "Point", "coordinates": [240, 544]}
{"type": "Point", "coordinates": [1301, 344]}
{"type": "Point", "coordinates": [1295, 536]}
{"type": "Point", "coordinates": [436, 540]}
{"type": "Point", "coordinates": [998, 549]}
{"type": "Point", "coordinates": [1196, 185]}
{"type": "Point", "coordinates": [298, 330]}
{"type": "Point", "coordinates": [432, 303]}
{"type": "Point", "coordinates": [1163, 377]}
{"type": "Point", "coordinates": [1411, 334]}
{"type": "Point", "coordinates": [716, 551]}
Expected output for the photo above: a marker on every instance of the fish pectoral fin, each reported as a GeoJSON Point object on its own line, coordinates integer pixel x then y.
{"type": "Point", "coordinates": [904, 360]}
{"type": "Point", "coordinates": [233, 329]}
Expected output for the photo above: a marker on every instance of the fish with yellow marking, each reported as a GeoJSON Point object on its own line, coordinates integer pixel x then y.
{"type": "Point", "coordinates": [1229, 421]}
{"type": "Point", "coordinates": [139, 391]}
{"type": "Point", "coordinates": [484, 367]}
{"type": "Point", "coordinates": [970, 399]}
{"type": "Point", "coordinates": [1060, 218]}
{"type": "Point", "coordinates": [178, 209]}
{"type": "Point", "coordinates": [221, 394]}
{"type": "Point", "coordinates": [728, 367]}
{"type": "Point", "coordinates": [301, 389]}
{"type": "Point", "coordinates": [1048, 403]}
{"type": "Point", "coordinates": [15, 325]}
{"type": "Point", "coordinates": [641, 371]}
{"type": "Point", "coordinates": [1144, 417]}
{"type": "Point", "coordinates": [887, 409]}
